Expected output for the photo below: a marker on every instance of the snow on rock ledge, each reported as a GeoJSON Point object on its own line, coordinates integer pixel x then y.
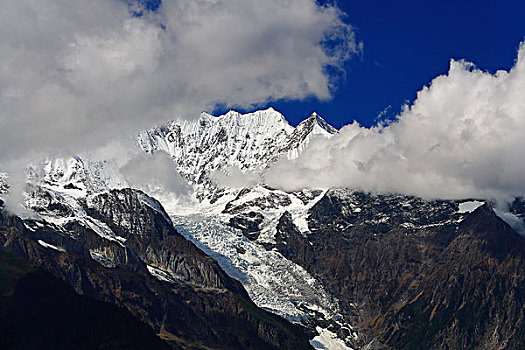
{"type": "Point", "coordinates": [469, 207]}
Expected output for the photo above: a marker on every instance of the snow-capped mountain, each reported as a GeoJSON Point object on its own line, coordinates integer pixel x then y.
{"type": "Point", "coordinates": [61, 192]}
{"type": "Point", "coordinates": [247, 142]}
{"type": "Point", "coordinates": [240, 228]}
{"type": "Point", "coordinates": [346, 265]}
{"type": "Point", "coordinates": [82, 174]}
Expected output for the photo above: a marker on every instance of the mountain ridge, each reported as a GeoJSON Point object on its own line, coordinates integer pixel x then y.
{"type": "Point", "coordinates": [339, 262]}
{"type": "Point", "coordinates": [160, 277]}
{"type": "Point", "coordinates": [248, 142]}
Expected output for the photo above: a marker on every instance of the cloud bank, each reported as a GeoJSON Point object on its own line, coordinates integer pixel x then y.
{"type": "Point", "coordinates": [464, 136]}
{"type": "Point", "coordinates": [76, 74]}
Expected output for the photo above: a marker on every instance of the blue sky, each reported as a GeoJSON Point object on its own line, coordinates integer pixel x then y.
{"type": "Point", "coordinates": [406, 45]}
{"type": "Point", "coordinates": [92, 66]}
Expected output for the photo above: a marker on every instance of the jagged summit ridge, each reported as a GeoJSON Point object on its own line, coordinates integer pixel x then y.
{"type": "Point", "coordinates": [260, 118]}
{"type": "Point", "coordinates": [249, 142]}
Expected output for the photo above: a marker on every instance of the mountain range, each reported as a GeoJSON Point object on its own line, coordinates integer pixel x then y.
{"type": "Point", "coordinates": [232, 263]}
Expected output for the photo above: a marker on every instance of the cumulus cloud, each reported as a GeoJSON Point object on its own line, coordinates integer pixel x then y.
{"type": "Point", "coordinates": [462, 137]}
{"type": "Point", "coordinates": [77, 74]}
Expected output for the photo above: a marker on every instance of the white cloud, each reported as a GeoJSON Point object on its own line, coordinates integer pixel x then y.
{"type": "Point", "coordinates": [77, 74]}
{"type": "Point", "coordinates": [462, 137]}
{"type": "Point", "coordinates": [235, 178]}
{"type": "Point", "coordinates": [155, 173]}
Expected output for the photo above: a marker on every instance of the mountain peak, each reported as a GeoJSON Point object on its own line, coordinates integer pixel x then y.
{"type": "Point", "coordinates": [316, 124]}
{"type": "Point", "coordinates": [323, 123]}
{"type": "Point", "coordinates": [249, 142]}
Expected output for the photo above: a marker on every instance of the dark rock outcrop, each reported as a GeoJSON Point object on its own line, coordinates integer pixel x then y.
{"type": "Point", "coordinates": [39, 311]}
{"type": "Point", "coordinates": [415, 274]}
{"type": "Point", "coordinates": [156, 274]}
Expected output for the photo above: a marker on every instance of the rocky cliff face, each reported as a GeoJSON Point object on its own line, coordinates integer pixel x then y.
{"type": "Point", "coordinates": [415, 274]}
{"type": "Point", "coordinates": [120, 247]}
{"type": "Point", "coordinates": [473, 299]}
{"type": "Point", "coordinates": [39, 311]}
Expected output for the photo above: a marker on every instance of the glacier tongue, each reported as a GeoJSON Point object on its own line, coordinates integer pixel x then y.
{"type": "Point", "coordinates": [272, 281]}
